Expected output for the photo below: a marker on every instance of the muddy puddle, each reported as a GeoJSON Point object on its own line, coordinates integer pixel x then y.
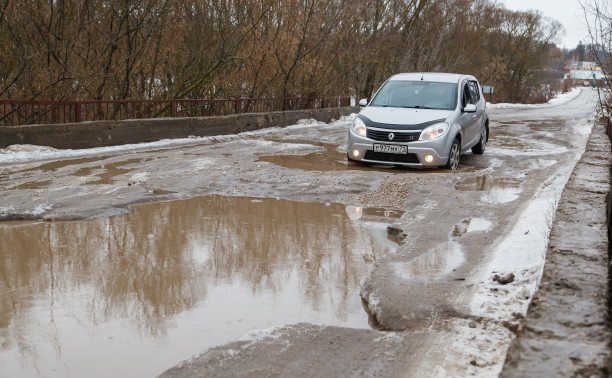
{"type": "Point", "coordinates": [329, 160]}
{"type": "Point", "coordinates": [133, 295]}
{"type": "Point", "coordinates": [495, 190]}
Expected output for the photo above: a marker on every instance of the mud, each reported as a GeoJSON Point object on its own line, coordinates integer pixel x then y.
{"type": "Point", "coordinates": [194, 273]}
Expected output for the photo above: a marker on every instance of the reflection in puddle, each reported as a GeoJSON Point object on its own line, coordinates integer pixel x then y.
{"type": "Point", "coordinates": [133, 295]}
{"type": "Point", "coordinates": [497, 190]}
{"type": "Point", "coordinates": [159, 192]}
{"type": "Point", "coordinates": [357, 212]}
{"type": "Point", "coordinates": [433, 265]}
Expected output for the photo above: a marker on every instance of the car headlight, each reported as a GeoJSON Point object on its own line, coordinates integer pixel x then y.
{"type": "Point", "coordinates": [434, 131]}
{"type": "Point", "coordinates": [358, 127]}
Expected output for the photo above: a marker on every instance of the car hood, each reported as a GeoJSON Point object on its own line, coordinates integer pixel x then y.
{"type": "Point", "coordinates": [402, 118]}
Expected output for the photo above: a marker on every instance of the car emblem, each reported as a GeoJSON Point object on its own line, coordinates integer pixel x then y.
{"type": "Point", "coordinates": [391, 136]}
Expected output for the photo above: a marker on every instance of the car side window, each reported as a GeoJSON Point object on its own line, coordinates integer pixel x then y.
{"type": "Point", "coordinates": [465, 98]}
{"type": "Point", "coordinates": [474, 92]}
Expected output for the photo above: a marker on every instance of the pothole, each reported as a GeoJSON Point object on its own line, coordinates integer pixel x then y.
{"type": "Point", "coordinates": [170, 279]}
{"type": "Point", "coordinates": [329, 160]}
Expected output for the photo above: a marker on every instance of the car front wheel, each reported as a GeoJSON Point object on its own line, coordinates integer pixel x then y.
{"type": "Point", "coordinates": [453, 156]}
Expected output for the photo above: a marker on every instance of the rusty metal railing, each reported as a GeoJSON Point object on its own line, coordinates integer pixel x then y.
{"type": "Point", "coordinates": [15, 113]}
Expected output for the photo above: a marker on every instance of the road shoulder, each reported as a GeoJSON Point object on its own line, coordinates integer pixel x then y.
{"type": "Point", "coordinates": [566, 331]}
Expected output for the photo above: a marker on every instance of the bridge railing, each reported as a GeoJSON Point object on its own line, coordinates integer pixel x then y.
{"type": "Point", "coordinates": [15, 112]}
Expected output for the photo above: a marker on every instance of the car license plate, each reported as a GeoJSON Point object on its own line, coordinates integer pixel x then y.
{"type": "Point", "coordinates": [390, 148]}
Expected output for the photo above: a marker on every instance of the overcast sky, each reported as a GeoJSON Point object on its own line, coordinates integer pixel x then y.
{"type": "Point", "coordinates": [567, 12]}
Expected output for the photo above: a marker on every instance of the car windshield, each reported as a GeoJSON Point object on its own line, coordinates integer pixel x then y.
{"type": "Point", "coordinates": [417, 94]}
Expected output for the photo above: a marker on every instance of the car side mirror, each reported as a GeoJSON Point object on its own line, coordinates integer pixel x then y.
{"type": "Point", "coordinates": [363, 102]}
{"type": "Point", "coordinates": [470, 108]}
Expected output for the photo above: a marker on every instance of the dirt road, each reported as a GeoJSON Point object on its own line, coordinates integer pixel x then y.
{"type": "Point", "coordinates": [270, 237]}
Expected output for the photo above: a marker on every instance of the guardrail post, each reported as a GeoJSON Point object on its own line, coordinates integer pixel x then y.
{"type": "Point", "coordinates": [172, 108]}
{"type": "Point", "coordinates": [77, 112]}
{"type": "Point", "coordinates": [237, 106]}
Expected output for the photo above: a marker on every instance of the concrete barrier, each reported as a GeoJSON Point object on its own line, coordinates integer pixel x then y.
{"type": "Point", "coordinates": [111, 133]}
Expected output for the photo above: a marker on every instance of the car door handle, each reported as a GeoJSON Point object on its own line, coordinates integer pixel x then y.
{"type": "Point", "coordinates": [473, 117]}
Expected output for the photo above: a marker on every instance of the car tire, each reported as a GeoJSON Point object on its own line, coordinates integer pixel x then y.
{"type": "Point", "coordinates": [479, 148]}
{"type": "Point", "coordinates": [454, 154]}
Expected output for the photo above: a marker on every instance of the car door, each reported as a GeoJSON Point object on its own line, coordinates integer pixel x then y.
{"type": "Point", "coordinates": [477, 100]}
{"type": "Point", "coordinates": [467, 120]}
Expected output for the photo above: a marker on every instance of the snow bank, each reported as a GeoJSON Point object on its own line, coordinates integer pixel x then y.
{"type": "Point", "coordinates": [560, 99]}
{"type": "Point", "coordinates": [23, 153]}
{"type": "Point", "coordinates": [522, 252]}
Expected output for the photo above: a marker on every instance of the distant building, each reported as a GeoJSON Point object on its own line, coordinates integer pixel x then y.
{"type": "Point", "coordinates": [584, 73]}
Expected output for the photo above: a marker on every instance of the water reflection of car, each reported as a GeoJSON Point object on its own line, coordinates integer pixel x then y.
{"type": "Point", "coordinates": [421, 119]}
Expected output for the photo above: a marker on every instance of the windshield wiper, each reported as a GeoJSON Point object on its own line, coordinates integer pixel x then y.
{"type": "Point", "coordinates": [411, 107]}
{"type": "Point", "coordinates": [417, 107]}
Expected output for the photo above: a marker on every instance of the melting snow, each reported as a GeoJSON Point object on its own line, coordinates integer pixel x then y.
{"type": "Point", "coordinates": [560, 99]}
{"type": "Point", "coordinates": [17, 154]}
{"type": "Point", "coordinates": [523, 250]}
{"type": "Point", "coordinates": [479, 224]}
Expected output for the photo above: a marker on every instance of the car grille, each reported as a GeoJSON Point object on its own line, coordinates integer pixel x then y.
{"type": "Point", "coordinates": [391, 158]}
{"type": "Point", "coordinates": [397, 136]}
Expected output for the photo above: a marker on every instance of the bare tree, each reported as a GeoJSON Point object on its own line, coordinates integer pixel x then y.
{"type": "Point", "coordinates": [598, 17]}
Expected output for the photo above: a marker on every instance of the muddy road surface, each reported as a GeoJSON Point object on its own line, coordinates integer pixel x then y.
{"type": "Point", "coordinates": [267, 254]}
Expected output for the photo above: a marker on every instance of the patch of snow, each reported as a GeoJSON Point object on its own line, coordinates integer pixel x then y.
{"type": "Point", "coordinates": [39, 209]}
{"type": "Point", "coordinates": [478, 225]}
{"type": "Point", "coordinates": [309, 121]}
{"type": "Point", "coordinates": [373, 304]}
{"type": "Point", "coordinates": [560, 99]}
{"type": "Point", "coordinates": [563, 98]}
{"type": "Point", "coordinates": [483, 356]}
{"type": "Point", "coordinates": [139, 177]}
{"type": "Point", "coordinates": [202, 163]}
{"type": "Point", "coordinates": [261, 334]}
{"type": "Point", "coordinates": [5, 210]}
{"type": "Point", "coordinates": [280, 147]}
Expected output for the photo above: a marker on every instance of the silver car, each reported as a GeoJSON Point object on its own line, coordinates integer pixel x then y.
{"type": "Point", "coordinates": [421, 119]}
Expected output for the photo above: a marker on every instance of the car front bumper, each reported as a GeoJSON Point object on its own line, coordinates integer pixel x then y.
{"type": "Point", "coordinates": [416, 156]}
